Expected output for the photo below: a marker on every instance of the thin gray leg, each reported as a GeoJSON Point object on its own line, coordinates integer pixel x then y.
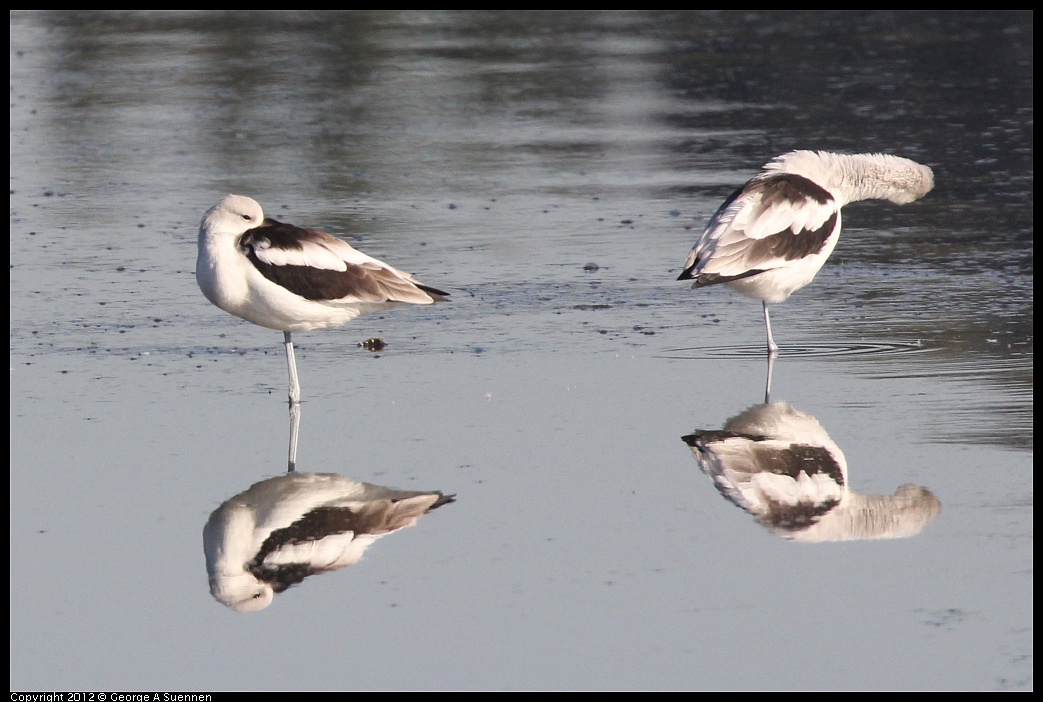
{"type": "Point", "coordinates": [295, 425]}
{"type": "Point", "coordinates": [767, 380]}
{"type": "Point", "coordinates": [291, 362]}
{"type": "Point", "coordinates": [773, 349]}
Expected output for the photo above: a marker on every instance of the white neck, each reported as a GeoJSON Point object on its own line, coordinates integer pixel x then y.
{"type": "Point", "coordinates": [854, 177]}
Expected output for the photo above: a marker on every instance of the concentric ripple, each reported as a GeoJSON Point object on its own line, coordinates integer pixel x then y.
{"type": "Point", "coordinates": [819, 350]}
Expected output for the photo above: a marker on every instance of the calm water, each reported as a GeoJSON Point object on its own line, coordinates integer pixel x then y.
{"type": "Point", "coordinates": [497, 155]}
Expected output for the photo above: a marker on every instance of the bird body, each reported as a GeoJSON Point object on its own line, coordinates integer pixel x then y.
{"type": "Point", "coordinates": [780, 465]}
{"type": "Point", "coordinates": [773, 235]}
{"type": "Point", "coordinates": [284, 529]}
{"type": "Point", "coordinates": [292, 279]}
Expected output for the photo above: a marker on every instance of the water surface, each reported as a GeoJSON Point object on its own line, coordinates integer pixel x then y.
{"type": "Point", "coordinates": [498, 155]}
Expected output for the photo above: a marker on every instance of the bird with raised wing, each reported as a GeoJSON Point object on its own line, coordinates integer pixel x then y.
{"type": "Point", "coordinates": [780, 465]}
{"type": "Point", "coordinates": [773, 234]}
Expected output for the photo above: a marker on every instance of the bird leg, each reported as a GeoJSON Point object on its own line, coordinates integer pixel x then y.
{"type": "Point", "coordinates": [767, 380]}
{"type": "Point", "coordinates": [295, 425]}
{"type": "Point", "coordinates": [295, 403]}
{"type": "Point", "coordinates": [295, 385]}
{"type": "Point", "coordinates": [773, 348]}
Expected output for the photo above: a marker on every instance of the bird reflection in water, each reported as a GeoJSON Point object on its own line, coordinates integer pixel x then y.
{"type": "Point", "coordinates": [780, 465]}
{"type": "Point", "coordinates": [284, 529]}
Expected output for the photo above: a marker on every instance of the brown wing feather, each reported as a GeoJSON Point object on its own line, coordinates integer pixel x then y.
{"type": "Point", "coordinates": [363, 283]}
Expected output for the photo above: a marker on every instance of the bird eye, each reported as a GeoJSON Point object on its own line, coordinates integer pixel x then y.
{"type": "Point", "coordinates": [247, 217]}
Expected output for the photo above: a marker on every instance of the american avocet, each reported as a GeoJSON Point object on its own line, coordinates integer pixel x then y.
{"type": "Point", "coordinates": [292, 279]}
{"type": "Point", "coordinates": [284, 529]}
{"type": "Point", "coordinates": [773, 234]}
{"type": "Point", "coordinates": [780, 465]}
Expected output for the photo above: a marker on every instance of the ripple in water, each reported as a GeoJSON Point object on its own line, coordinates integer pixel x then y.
{"type": "Point", "coordinates": [825, 349]}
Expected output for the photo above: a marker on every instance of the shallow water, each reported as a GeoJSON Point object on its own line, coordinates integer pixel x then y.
{"type": "Point", "coordinates": [498, 155]}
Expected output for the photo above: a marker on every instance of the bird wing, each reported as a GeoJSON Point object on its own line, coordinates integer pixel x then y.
{"type": "Point", "coordinates": [321, 267]}
{"type": "Point", "coordinates": [335, 535]}
{"type": "Point", "coordinates": [770, 221]}
{"type": "Point", "coordinates": [776, 480]}
{"type": "Point", "coordinates": [321, 540]}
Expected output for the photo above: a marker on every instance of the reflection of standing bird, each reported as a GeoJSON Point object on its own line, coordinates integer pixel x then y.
{"type": "Point", "coordinates": [773, 235]}
{"type": "Point", "coordinates": [291, 279]}
{"type": "Point", "coordinates": [281, 530]}
{"type": "Point", "coordinates": [780, 465]}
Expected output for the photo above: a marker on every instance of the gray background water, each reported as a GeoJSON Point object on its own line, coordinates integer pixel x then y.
{"type": "Point", "coordinates": [495, 155]}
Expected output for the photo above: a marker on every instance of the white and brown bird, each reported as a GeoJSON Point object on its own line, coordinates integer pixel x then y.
{"type": "Point", "coordinates": [780, 465]}
{"type": "Point", "coordinates": [773, 234]}
{"type": "Point", "coordinates": [285, 529]}
{"type": "Point", "coordinates": [291, 279]}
